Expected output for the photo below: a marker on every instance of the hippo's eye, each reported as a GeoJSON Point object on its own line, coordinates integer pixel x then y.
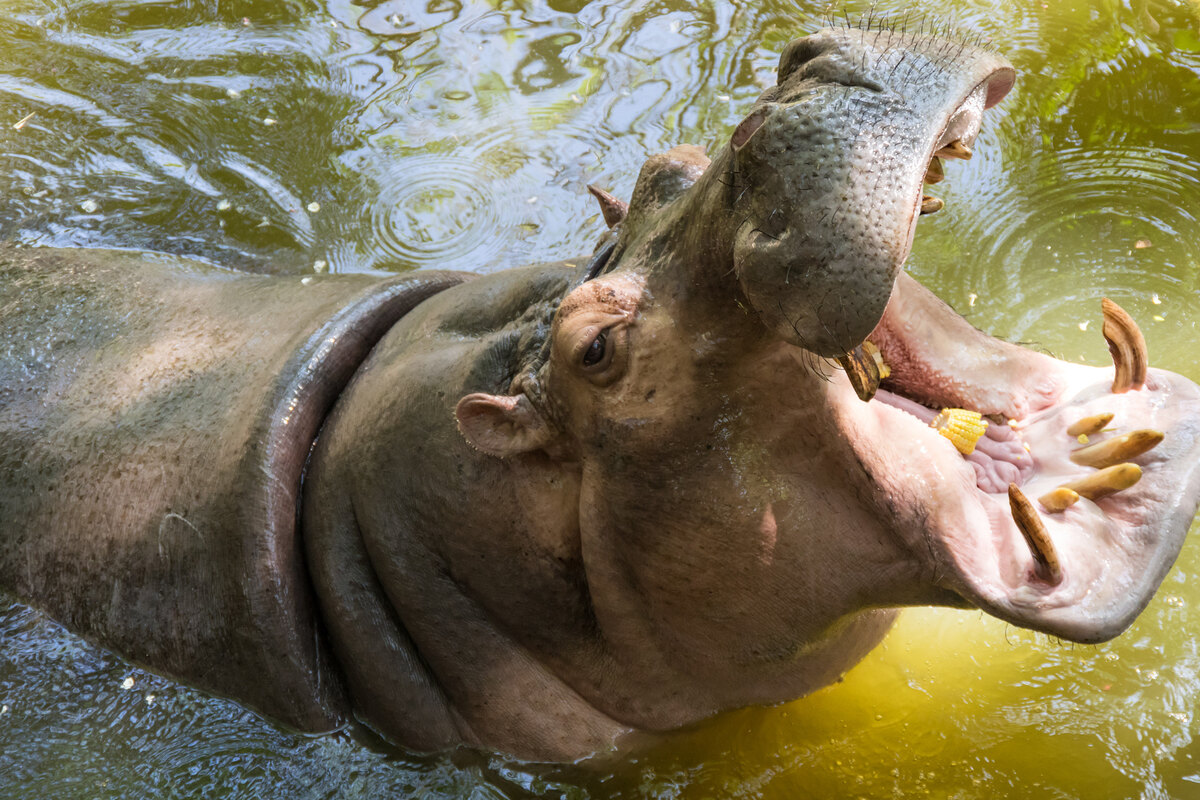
{"type": "Point", "coordinates": [600, 349]}
{"type": "Point", "coordinates": [596, 350]}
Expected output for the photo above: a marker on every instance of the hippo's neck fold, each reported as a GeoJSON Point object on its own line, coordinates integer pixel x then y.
{"type": "Point", "coordinates": [168, 417]}
{"type": "Point", "coordinates": [309, 387]}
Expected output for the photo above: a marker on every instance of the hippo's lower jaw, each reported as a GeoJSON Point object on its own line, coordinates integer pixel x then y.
{"type": "Point", "coordinates": [1105, 557]}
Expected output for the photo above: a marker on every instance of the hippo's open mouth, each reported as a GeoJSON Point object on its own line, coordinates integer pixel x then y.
{"type": "Point", "coordinates": [1066, 511]}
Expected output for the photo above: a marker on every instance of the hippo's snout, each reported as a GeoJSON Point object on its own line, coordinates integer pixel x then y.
{"type": "Point", "coordinates": [825, 176]}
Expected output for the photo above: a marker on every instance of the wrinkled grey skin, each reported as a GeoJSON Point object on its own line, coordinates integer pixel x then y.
{"type": "Point", "coordinates": [547, 509]}
{"type": "Point", "coordinates": [155, 416]}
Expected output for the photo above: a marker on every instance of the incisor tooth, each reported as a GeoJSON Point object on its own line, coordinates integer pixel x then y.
{"type": "Point", "coordinates": [955, 149]}
{"type": "Point", "coordinates": [1036, 535]}
{"type": "Point", "coordinates": [1106, 481]}
{"type": "Point", "coordinates": [930, 205]}
{"type": "Point", "coordinates": [1089, 425]}
{"type": "Point", "coordinates": [1059, 499]}
{"type": "Point", "coordinates": [1118, 449]}
{"type": "Point", "coordinates": [1127, 347]}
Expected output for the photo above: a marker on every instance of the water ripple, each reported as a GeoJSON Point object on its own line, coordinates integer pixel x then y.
{"type": "Point", "coordinates": [437, 211]}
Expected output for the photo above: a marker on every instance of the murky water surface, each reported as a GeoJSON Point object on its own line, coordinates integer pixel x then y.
{"type": "Point", "coordinates": [291, 136]}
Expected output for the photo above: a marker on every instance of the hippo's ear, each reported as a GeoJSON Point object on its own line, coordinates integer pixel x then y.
{"type": "Point", "coordinates": [502, 425]}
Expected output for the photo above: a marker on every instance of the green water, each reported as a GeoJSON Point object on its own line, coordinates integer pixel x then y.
{"type": "Point", "coordinates": [288, 136]}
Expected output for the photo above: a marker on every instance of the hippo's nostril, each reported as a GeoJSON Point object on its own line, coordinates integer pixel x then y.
{"type": "Point", "coordinates": [799, 52]}
{"type": "Point", "coordinates": [750, 125]}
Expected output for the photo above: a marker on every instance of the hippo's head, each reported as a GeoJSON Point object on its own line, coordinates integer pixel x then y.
{"type": "Point", "coordinates": [673, 501]}
{"type": "Point", "coordinates": [733, 482]}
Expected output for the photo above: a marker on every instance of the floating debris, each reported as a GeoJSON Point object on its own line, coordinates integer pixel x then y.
{"type": "Point", "coordinates": [1083, 325]}
{"type": "Point", "coordinates": [1154, 298]}
{"type": "Point", "coordinates": [127, 683]}
{"type": "Point", "coordinates": [224, 205]}
{"type": "Point", "coordinates": [320, 266]}
{"type": "Point", "coordinates": [21, 123]}
{"type": "Point", "coordinates": [270, 121]}
{"type": "Point", "coordinates": [232, 94]}
{"type": "Point", "coordinates": [314, 207]}
{"type": "Point", "coordinates": [1142, 244]}
{"type": "Point", "coordinates": [90, 206]}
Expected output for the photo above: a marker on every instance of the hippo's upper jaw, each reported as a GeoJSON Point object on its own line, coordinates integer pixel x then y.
{"type": "Point", "coordinates": [827, 173]}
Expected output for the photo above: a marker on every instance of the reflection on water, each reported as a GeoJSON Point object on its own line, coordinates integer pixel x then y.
{"type": "Point", "coordinates": [394, 135]}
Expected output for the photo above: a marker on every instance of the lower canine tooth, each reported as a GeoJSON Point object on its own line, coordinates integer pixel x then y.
{"type": "Point", "coordinates": [930, 205]}
{"type": "Point", "coordinates": [1127, 347]}
{"type": "Point", "coordinates": [1059, 499]}
{"type": "Point", "coordinates": [1036, 535]}
{"type": "Point", "coordinates": [1089, 425]}
{"type": "Point", "coordinates": [1106, 481]}
{"type": "Point", "coordinates": [1114, 451]}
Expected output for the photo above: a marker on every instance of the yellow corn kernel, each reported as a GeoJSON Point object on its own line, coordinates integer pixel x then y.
{"type": "Point", "coordinates": [962, 427]}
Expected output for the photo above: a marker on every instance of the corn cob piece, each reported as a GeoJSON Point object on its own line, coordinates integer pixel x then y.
{"type": "Point", "coordinates": [962, 427]}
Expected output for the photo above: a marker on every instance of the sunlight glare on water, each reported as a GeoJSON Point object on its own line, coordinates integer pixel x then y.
{"type": "Point", "coordinates": [271, 136]}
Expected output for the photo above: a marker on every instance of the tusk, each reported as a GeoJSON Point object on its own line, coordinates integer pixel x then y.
{"type": "Point", "coordinates": [1089, 425]}
{"type": "Point", "coordinates": [934, 172]}
{"type": "Point", "coordinates": [1127, 347]}
{"type": "Point", "coordinates": [1036, 535]}
{"type": "Point", "coordinates": [1059, 500]}
{"type": "Point", "coordinates": [865, 369]}
{"type": "Point", "coordinates": [1116, 450]}
{"type": "Point", "coordinates": [931, 205]}
{"type": "Point", "coordinates": [613, 209]}
{"type": "Point", "coordinates": [1106, 481]}
{"type": "Point", "coordinates": [955, 149]}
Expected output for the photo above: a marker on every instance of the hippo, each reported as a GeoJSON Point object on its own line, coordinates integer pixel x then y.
{"type": "Point", "coordinates": [545, 510]}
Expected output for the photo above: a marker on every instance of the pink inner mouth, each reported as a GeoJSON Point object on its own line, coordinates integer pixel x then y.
{"type": "Point", "coordinates": [954, 510]}
{"type": "Point", "coordinates": [1000, 457]}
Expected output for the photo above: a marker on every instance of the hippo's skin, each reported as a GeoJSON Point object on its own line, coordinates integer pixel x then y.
{"type": "Point", "coordinates": [549, 507]}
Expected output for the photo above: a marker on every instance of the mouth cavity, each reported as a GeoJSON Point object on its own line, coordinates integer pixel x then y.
{"type": "Point", "coordinates": [1029, 510]}
{"type": "Point", "coordinates": [994, 447]}
{"type": "Point", "coordinates": [1003, 461]}
{"type": "Point", "coordinates": [1046, 540]}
